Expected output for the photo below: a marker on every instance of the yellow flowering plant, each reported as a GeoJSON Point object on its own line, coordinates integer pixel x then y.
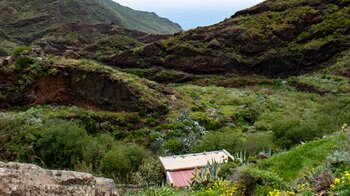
{"type": "Point", "coordinates": [342, 183]}
{"type": "Point", "coordinates": [220, 187]}
{"type": "Point", "coordinates": [276, 192]}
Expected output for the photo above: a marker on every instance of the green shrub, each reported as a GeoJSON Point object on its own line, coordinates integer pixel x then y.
{"type": "Point", "coordinates": [24, 62]}
{"type": "Point", "coordinates": [292, 131]}
{"type": "Point", "coordinates": [19, 133]}
{"type": "Point", "coordinates": [206, 121]}
{"type": "Point", "coordinates": [149, 173]}
{"type": "Point", "coordinates": [218, 140]}
{"type": "Point", "coordinates": [90, 124]}
{"type": "Point", "coordinates": [227, 169]}
{"type": "Point", "coordinates": [161, 191]}
{"type": "Point", "coordinates": [123, 160]}
{"type": "Point", "coordinates": [3, 52]}
{"type": "Point", "coordinates": [95, 150]}
{"type": "Point", "coordinates": [183, 133]}
{"type": "Point", "coordinates": [256, 142]}
{"type": "Point", "coordinates": [173, 146]}
{"type": "Point", "coordinates": [62, 144]}
{"type": "Point", "coordinates": [115, 164]}
{"type": "Point", "coordinates": [17, 51]}
{"type": "Point", "coordinates": [8, 133]}
{"type": "Point", "coordinates": [254, 179]}
{"type": "Point", "coordinates": [135, 153]}
{"type": "Point", "coordinates": [341, 157]}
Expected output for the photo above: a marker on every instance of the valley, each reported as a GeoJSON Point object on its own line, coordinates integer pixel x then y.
{"type": "Point", "coordinates": [270, 85]}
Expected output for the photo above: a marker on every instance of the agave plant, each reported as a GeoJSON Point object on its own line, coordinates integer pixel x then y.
{"type": "Point", "coordinates": [241, 158]}
{"type": "Point", "coordinates": [342, 156]}
{"type": "Point", "coordinates": [206, 175]}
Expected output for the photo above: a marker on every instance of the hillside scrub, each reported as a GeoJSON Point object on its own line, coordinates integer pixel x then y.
{"type": "Point", "coordinates": [63, 144]}
{"type": "Point", "coordinates": [270, 85]}
{"type": "Point", "coordinates": [292, 116]}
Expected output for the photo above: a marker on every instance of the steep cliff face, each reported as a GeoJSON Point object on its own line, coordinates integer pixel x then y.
{"type": "Point", "coordinates": [30, 81]}
{"type": "Point", "coordinates": [275, 38]}
{"type": "Point", "coordinates": [27, 179]}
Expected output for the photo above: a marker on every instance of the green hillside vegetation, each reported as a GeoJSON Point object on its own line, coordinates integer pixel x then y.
{"type": "Point", "coordinates": [274, 38]}
{"type": "Point", "coordinates": [293, 172]}
{"type": "Point", "coordinates": [109, 46]}
{"type": "Point", "coordinates": [286, 127]}
{"type": "Point", "coordinates": [25, 22]}
{"type": "Point", "coordinates": [279, 113]}
{"type": "Point", "coordinates": [143, 21]}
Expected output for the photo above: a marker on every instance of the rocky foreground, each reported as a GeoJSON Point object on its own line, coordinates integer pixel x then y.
{"type": "Point", "coordinates": [27, 179]}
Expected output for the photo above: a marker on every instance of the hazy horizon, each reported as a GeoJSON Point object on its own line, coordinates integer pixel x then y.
{"type": "Point", "coordinates": [191, 13]}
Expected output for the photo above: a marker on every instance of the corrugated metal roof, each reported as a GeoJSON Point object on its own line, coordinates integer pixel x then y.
{"type": "Point", "coordinates": [191, 161]}
{"type": "Point", "coordinates": [181, 178]}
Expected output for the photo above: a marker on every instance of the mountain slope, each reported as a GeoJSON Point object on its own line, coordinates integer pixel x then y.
{"type": "Point", "coordinates": [143, 21]}
{"type": "Point", "coordinates": [276, 38]}
{"type": "Point", "coordinates": [27, 21]}
{"type": "Point", "coordinates": [99, 41]}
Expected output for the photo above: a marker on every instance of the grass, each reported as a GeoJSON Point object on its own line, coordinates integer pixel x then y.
{"type": "Point", "coordinates": [324, 83]}
{"type": "Point", "coordinates": [291, 164]}
{"type": "Point", "coordinates": [249, 112]}
{"type": "Point", "coordinates": [252, 109]}
{"type": "Point", "coordinates": [51, 111]}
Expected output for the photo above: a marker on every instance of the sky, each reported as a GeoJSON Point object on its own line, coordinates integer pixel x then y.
{"type": "Point", "coordinates": [191, 13]}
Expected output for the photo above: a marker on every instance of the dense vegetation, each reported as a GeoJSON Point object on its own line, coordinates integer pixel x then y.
{"type": "Point", "coordinates": [281, 114]}
{"type": "Point", "coordinates": [289, 135]}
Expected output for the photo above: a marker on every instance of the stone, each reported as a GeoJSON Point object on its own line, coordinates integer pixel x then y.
{"type": "Point", "coordinates": [70, 54]}
{"type": "Point", "coordinates": [37, 53]}
{"type": "Point", "coordinates": [7, 61]}
{"type": "Point", "coordinates": [212, 113]}
{"type": "Point", "coordinates": [262, 155]}
{"type": "Point", "coordinates": [25, 53]}
{"type": "Point", "coordinates": [28, 179]}
{"type": "Point", "coordinates": [173, 98]}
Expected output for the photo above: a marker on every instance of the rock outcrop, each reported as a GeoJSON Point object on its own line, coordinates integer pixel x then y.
{"type": "Point", "coordinates": [93, 40]}
{"type": "Point", "coordinates": [7, 61]}
{"type": "Point", "coordinates": [70, 54]}
{"type": "Point", "coordinates": [27, 179]}
{"type": "Point", "coordinates": [78, 82]}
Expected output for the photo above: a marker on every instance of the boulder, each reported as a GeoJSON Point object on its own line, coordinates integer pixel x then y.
{"type": "Point", "coordinates": [212, 113]}
{"type": "Point", "coordinates": [70, 54]}
{"type": "Point", "coordinates": [37, 53]}
{"type": "Point", "coordinates": [25, 53]}
{"type": "Point", "coordinates": [7, 61]}
{"type": "Point", "coordinates": [262, 156]}
{"type": "Point", "coordinates": [28, 179]}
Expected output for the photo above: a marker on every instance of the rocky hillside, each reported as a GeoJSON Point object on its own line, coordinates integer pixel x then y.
{"type": "Point", "coordinates": [31, 78]}
{"type": "Point", "coordinates": [275, 38]}
{"type": "Point", "coordinates": [98, 41]}
{"type": "Point", "coordinates": [24, 179]}
{"type": "Point", "coordinates": [142, 21]}
{"type": "Point", "coordinates": [23, 22]}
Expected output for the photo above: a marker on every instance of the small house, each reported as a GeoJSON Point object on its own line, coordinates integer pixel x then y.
{"type": "Point", "coordinates": [180, 169]}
